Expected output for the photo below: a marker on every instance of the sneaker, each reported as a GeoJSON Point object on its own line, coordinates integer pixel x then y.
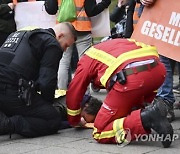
{"type": "Point", "coordinates": [176, 89]}
{"type": "Point", "coordinates": [177, 105]}
{"type": "Point", "coordinates": [176, 86]}
{"type": "Point", "coordinates": [170, 109]}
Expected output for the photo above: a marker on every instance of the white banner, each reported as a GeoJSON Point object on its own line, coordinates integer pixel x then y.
{"type": "Point", "coordinates": [101, 24]}
{"type": "Point", "coordinates": [33, 14]}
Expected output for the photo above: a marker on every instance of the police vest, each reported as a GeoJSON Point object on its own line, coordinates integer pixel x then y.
{"type": "Point", "coordinates": [113, 63]}
{"type": "Point", "coordinates": [17, 54]}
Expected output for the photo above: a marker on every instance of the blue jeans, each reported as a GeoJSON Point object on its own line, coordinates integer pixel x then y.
{"type": "Point", "coordinates": [165, 91]}
{"type": "Point", "coordinates": [140, 10]}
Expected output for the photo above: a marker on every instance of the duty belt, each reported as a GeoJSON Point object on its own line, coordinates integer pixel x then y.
{"type": "Point", "coordinates": [121, 75]}
{"type": "Point", "coordinates": [141, 68]}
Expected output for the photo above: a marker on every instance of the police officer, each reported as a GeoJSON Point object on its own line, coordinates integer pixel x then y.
{"type": "Point", "coordinates": [29, 61]}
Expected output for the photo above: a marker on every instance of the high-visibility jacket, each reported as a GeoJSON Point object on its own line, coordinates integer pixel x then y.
{"type": "Point", "coordinates": [82, 22]}
{"type": "Point", "coordinates": [98, 64]}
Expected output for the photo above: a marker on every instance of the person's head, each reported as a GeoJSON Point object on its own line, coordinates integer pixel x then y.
{"type": "Point", "coordinates": [65, 34]}
{"type": "Point", "coordinates": [90, 107]}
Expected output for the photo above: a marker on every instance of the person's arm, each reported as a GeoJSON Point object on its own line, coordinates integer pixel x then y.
{"type": "Point", "coordinates": [7, 11]}
{"type": "Point", "coordinates": [129, 20]}
{"type": "Point", "coordinates": [77, 89]}
{"type": "Point", "coordinates": [51, 6]}
{"type": "Point", "coordinates": [93, 9]}
{"type": "Point", "coordinates": [47, 80]}
{"type": "Point", "coordinates": [117, 14]}
{"type": "Point", "coordinates": [47, 50]}
{"type": "Point", "coordinates": [138, 1]}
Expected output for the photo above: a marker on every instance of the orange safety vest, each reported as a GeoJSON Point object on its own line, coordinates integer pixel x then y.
{"type": "Point", "coordinates": [82, 22]}
{"type": "Point", "coordinates": [15, 1]}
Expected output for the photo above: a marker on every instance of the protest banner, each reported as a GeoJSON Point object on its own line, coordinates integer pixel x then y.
{"type": "Point", "coordinates": [159, 25]}
{"type": "Point", "coordinates": [33, 14]}
{"type": "Point", "coordinates": [101, 23]}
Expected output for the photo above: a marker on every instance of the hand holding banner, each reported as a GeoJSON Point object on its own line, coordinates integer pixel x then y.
{"type": "Point", "coordinates": [159, 25]}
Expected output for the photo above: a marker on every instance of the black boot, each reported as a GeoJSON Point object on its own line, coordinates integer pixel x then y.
{"type": "Point", "coordinates": [6, 126]}
{"type": "Point", "coordinates": [170, 110]}
{"type": "Point", "coordinates": [154, 117]}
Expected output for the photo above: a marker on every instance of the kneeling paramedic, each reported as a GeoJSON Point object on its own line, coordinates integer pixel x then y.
{"type": "Point", "coordinates": [29, 61]}
{"type": "Point", "coordinates": [131, 72]}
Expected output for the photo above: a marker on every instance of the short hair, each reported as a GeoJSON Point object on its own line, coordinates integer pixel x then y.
{"type": "Point", "coordinates": [72, 29]}
{"type": "Point", "coordinates": [92, 105]}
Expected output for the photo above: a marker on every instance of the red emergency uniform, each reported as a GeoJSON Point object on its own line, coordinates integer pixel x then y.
{"type": "Point", "coordinates": [117, 114]}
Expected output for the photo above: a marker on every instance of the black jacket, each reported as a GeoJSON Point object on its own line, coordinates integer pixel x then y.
{"type": "Point", "coordinates": [7, 23]}
{"type": "Point", "coordinates": [32, 56]}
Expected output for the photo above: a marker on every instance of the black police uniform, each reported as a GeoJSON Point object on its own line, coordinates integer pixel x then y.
{"type": "Point", "coordinates": [30, 55]}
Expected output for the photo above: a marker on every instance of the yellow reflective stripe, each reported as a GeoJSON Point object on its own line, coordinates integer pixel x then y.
{"type": "Point", "coordinates": [94, 130]}
{"type": "Point", "coordinates": [142, 52]}
{"type": "Point", "coordinates": [120, 133]}
{"type": "Point", "coordinates": [28, 28]}
{"type": "Point", "coordinates": [118, 124]}
{"type": "Point", "coordinates": [100, 56]}
{"type": "Point", "coordinates": [73, 112]}
{"type": "Point", "coordinates": [102, 135]}
{"type": "Point", "coordinates": [138, 43]}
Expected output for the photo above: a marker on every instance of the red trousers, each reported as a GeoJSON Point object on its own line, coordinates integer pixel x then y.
{"type": "Point", "coordinates": [122, 105]}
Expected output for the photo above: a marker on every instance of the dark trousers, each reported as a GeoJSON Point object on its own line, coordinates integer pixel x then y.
{"type": "Point", "coordinates": [39, 119]}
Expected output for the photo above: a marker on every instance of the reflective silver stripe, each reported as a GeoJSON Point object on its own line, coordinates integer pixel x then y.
{"type": "Point", "coordinates": [80, 9]}
{"type": "Point", "coordinates": [83, 19]}
{"type": "Point", "coordinates": [140, 63]}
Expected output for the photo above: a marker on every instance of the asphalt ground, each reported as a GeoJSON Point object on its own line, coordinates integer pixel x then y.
{"type": "Point", "coordinates": [80, 141]}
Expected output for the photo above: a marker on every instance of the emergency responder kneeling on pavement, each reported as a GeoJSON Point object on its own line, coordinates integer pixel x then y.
{"type": "Point", "coordinates": [131, 72]}
{"type": "Point", "coordinates": [29, 61]}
